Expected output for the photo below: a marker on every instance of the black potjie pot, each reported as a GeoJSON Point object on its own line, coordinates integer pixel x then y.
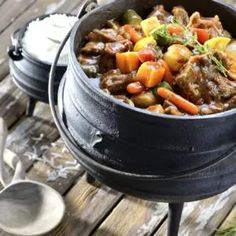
{"type": "Point", "coordinates": [155, 157]}
{"type": "Point", "coordinates": [29, 73]}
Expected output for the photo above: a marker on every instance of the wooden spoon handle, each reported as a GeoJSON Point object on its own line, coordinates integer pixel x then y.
{"type": "Point", "coordinates": [14, 162]}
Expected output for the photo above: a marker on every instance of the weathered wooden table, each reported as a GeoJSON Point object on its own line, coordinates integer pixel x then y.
{"type": "Point", "coordinates": [91, 209]}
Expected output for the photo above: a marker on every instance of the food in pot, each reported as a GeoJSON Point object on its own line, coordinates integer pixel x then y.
{"type": "Point", "coordinates": [169, 62]}
{"type": "Point", "coordinates": [42, 38]}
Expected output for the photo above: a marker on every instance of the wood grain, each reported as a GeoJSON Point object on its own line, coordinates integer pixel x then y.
{"type": "Point", "coordinates": [12, 101]}
{"type": "Point", "coordinates": [22, 138]}
{"type": "Point", "coordinates": [11, 10]}
{"type": "Point", "coordinates": [87, 205]}
{"type": "Point", "coordinates": [133, 217]}
{"type": "Point", "coordinates": [203, 217]}
{"type": "Point", "coordinates": [40, 171]}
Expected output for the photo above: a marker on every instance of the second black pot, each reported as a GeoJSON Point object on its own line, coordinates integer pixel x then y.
{"type": "Point", "coordinates": [30, 74]}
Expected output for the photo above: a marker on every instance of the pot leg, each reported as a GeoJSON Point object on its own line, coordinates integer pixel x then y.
{"type": "Point", "coordinates": [174, 217]}
{"type": "Point", "coordinates": [30, 106]}
{"type": "Point", "coordinates": [90, 179]}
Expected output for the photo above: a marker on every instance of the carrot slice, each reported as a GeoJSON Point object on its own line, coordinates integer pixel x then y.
{"type": "Point", "coordinates": [168, 77]}
{"type": "Point", "coordinates": [175, 29]}
{"type": "Point", "coordinates": [134, 35]}
{"type": "Point", "coordinates": [150, 73]}
{"type": "Point", "coordinates": [127, 61]}
{"type": "Point", "coordinates": [202, 34]}
{"type": "Point", "coordinates": [178, 101]}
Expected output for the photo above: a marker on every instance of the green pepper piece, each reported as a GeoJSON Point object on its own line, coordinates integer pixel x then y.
{"type": "Point", "coordinates": [131, 17]}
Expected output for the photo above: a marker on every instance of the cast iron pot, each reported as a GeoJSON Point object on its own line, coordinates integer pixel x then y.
{"type": "Point", "coordinates": [161, 157]}
{"type": "Point", "coordinates": [29, 73]}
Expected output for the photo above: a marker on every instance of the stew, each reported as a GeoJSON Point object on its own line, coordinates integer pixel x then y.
{"type": "Point", "coordinates": [169, 62]}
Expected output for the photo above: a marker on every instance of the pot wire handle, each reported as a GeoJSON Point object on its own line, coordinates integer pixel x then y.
{"type": "Point", "coordinates": [73, 147]}
{"type": "Point", "coordinates": [85, 7]}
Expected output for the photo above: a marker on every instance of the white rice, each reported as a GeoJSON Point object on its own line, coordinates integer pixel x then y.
{"type": "Point", "coordinates": [43, 37]}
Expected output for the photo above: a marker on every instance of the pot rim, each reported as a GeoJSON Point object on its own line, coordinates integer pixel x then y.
{"type": "Point", "coordinates": [104, 96]}
{"type": "Point", "coordinates": [28, 55]}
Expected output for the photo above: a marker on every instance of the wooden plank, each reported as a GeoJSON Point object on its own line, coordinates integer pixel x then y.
{"type": "Point", "coordinates": [39, 8]}
{"type": "Point", "coordinates": [203, 217]}
{"type": "Point", "coordinates": [232, 2]}
{"type": "Point", "coordinates": [87, 205]}
{"type": "Point", "coordinates": [229, 221]}
{"type": "Point", "coordinates": [32, 132]}
{"type": "Point", "coordinates": [12, 101]}
{"type": "Point", "coordinates": [11, 10]}
{"type": "Point", "coordinates": [133, 217]}
{"type": "Point", "coordinates": [56, 155]}
{"type": "Point", "coordinates": [2, 2]}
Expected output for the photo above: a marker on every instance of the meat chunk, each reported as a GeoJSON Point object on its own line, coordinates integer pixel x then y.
{"type": "Point", "coordinates": [201, 83]}
{"type": "Point", "coordinates": [231, 102]}
{"type": "Point", "coordinates": [88, 60]}
{"type": "Point", "coordinates": [212, 24]}
{"type": "Point", "coordinates": [107, 62]}
{"type": "Point", "coordinates": [104, 35]}
{"type": "Point", "coordinates": [208, 109]}
{"type": "Point", "coordinates": [120, 46]}
{"type": "Point", "coordinates": [162, 15]}
{"type": "Point", "coordinates": [116, 82]}
{"type": "Point", "coordinates": [181, 15]}
{"type": "Point", "coordinates": [93, 48]}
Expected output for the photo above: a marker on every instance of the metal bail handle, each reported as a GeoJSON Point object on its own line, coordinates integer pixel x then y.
{"type": "Point", "coordinates": [73, 147]}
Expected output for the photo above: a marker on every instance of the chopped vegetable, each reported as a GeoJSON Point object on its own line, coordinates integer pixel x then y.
{"type": "Point", "coordinates": [163, 37]}
{"type": "Point", "coordinates": [156, 109]}
{"type": "Point", "coordinates": [150, 74]}
{"type": "Point", "coordinates": [127, 61]}
{"type": "Point", "coordinates": [149, 25]}
{"type": "Point", "coordinates": [144, 100]}
{"type": "Point", "coordinates": [168, 77]}
{"type": "Point", "coordinates": [134, 35]}
{"type": "Point", "coordinates": [175, 29]}
{"type": "Point", "coordinates": [218, 43]}
{"type": "Point", "coordinates": [202, 35]}
{"type": "Point", "coordinates": [147, 54]}
{"type": "Point", "coordinates": [231, 49]}
{"type": "Point", "coordinates": [143, 43]}
{"type": "Point", "coordinates": [135, 88]}
{"type": "Point", "coordinates": [179, 101]}
{"type": "Point", "coordinates": [131, 17]}
{"type": "Point", "coordinates": [163, 84]}
{"type": "Point", "coordinates": [176, 56]}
